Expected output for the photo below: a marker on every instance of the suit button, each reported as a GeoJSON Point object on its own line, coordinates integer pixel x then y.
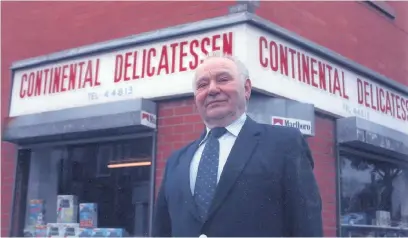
{"type": "Point", "coordinates": [202, 236]}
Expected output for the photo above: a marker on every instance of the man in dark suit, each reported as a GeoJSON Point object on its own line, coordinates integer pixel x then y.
{"type": "Point", "coordinates": [240, 178]}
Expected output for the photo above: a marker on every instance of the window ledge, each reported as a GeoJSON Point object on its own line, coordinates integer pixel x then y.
{"type": "Point", "coordinates": [383, 7]}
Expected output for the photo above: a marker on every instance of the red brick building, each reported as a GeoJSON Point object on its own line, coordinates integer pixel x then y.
{"type": "Point", "coordinates": [345, 61]}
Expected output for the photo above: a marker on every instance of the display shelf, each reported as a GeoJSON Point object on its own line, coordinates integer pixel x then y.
{"type": "Point", "coordinates": [373, 231]}
{"type": "Point", "coordinates": [376, 227]}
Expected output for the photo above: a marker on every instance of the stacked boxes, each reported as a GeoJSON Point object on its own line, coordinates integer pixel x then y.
{"type": "Point", "coordinates": [67, 224]}
{"type": "Point", "coordinates": [36, 212]}
{"type": "Point", "coordinates": [67, 206]}
{"type": "Point", "coordinates": [40, 231]}
{"type": "Point", "coordinates": [109, 232]}
{"type": "Point", "coordinates": [36, 224]}
{"type": "Point", "coordinates": [62, 229]}
{"type": "Point", "coordinates": [67, 218]}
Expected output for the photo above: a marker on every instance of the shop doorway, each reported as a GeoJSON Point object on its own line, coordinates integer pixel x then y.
{"type": "Point", "coordinates": [115, 175]}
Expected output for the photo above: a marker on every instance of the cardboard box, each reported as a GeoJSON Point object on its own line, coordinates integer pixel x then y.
{"type": "Point", "coordinates": [62, 230]}
{"type": "Point", "coordinates": [88, 215]}
{"type": "Point", "coordinates": [54, 230]}
{"type": "Point", "coordinates": [40, 231]}
{"type": "Point", "coordinates": [36, 212]}
{"type": "Point", "coordinates": [70, 230]}
{"type": "Point", "coordinates": [85, 232]}
{"type": "Point", "coordinates": [29, 232]}
{"type": "Point", "coordinates": [109, 232]}
{"type": "Point", "coordinates": [67, 209]}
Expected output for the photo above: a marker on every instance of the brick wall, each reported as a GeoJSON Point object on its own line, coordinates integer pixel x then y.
{"type": "Point", "coordinates": [179, 124]}
{"type": "Point", "coordinates": [8, 154]}
{"type": "Point", "coordinates": [324, 154]}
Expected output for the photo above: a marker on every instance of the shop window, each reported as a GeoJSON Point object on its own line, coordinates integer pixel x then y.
{"type": "Point", "coordinates": [114, 176]}
{"type": "Point", "coordinates": [373, 197]}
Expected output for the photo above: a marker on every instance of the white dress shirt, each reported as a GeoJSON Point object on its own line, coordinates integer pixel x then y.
{"type": "Point", "coordinates": [226, 143]}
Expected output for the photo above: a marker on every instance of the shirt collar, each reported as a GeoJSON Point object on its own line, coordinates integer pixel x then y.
{"type": "Point", "coordinates": [234, 128]}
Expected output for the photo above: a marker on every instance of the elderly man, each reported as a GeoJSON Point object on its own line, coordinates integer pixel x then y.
{"type": "Point", "coordinates": [240, 178]}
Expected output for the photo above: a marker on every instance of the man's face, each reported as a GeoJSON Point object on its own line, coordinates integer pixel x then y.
{"type": "Point", "coordinates": [220, 94]}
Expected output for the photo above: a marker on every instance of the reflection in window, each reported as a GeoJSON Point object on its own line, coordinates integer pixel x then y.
{"type": "Point", "coordinates": [373, 197]}
{"type": "Point", "coordinates": [120, 194]}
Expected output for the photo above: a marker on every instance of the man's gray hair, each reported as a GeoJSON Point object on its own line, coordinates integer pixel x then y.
{"type": "Point", "coordinates": [242, 69]}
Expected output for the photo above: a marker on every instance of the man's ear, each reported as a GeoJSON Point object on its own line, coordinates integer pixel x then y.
{"type": "Point", "coordinates": [248, 88]}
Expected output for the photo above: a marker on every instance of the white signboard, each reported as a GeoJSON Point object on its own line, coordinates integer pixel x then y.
{"type": "Point", "coordinates": [304, 126]}
{"type": "Point", "coordinates": [149, 71]}
{"type": "Point", "coordinates": [148, 119]}
{"type": "Point", "coordinates": [166, 68]}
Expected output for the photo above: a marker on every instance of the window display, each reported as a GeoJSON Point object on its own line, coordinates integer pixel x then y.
{"type": "Point", "coordinates": [373, 197]}
{"type": "Point", "coordinates": [74, 191]}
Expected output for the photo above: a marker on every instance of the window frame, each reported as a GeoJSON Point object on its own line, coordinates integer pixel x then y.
{"type": "Point", "coordinates": [23, 165]}
{"type": "Point", "coordinates": [344, 150]}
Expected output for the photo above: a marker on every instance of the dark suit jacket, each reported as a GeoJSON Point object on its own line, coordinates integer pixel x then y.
{"type": "Point", "coordinates": [267, 188]}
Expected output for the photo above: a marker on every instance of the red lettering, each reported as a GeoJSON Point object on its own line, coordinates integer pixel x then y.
{"type": "Point", "coordinates": [204, 43]}
{"type": "Point", "coordinates": [274, 57]}
{"type": "Point", "coordinates": [215, 46]}
{"type": "Point", "coordinates": [31, 79]}
{"type": "Point", "coordinates": [404, 107]}
{"type": "Point", "coordinates": [262, 45]}
{"type": "Point", "coordinates": [150, 68]}
{"type": "Point", "coordinates": [23, 91]}
{"type": "Point", "coordinates": [372, 97]}
{"type": "Point", "coordinates": [345, 96]}
{"type": "Point", "coordinates": [397, 102]}
{"type": "Point", "coordinates": [118, 68]}
{"type": "Point", "coordinates": [310, 70]}
{"type": "Point", "coordinates": [127, 66]}
{"type": "Point", "coordinates": [322, 76]}
{"type": "Point", "coordinates": [292, 57]}
{"type": "Point", "coordinates": [182, 55]}
{"type": "Point", "coordinates": [170, 58]}
{"type": "Point", "coordinates": [164, 61]}
{"type": "Point", "coordinates": [366, 94]}
{"type": "Point", "coordinates": [64, 76]}
{"type": "Point", "coordinates": [336, 88]}
{"type": "Point", "coordinates": [56, 81]}
{"type": "Point", "coordinates": [227, 43]}
{"type": "Point", "coordinates": [38, 83]}
{"type": "Point", "coordinates": [283, 59]}
{"type": "Point", "coordinates": [305, 69]}
{"type": "Point", "coordinates": [72, 76]}
{"type": "Point", "coordinates": [314, 73]}
{"type": "Point", "coordinates": [382, 98]}
{"type": "Point", "coordinates": [360, 91]}
{"type": "Point", "coordinates": [193, 64]}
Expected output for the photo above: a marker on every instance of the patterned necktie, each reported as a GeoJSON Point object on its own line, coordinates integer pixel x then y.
{"type": "Point", "coordinates": [206, 181]}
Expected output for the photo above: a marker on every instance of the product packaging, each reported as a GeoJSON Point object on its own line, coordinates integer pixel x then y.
{"type": "Point", "coordinates": [70, 230]}
{"type": "Point", "coordinates": [40, 231]}
{"type": "Point", "coordinates": [67, 209]}
{"type": "Point", "coordinates": [36, 212]}
{"type": "Point", "coordinates": [109, 232]}
{"type": "Point", "coordinates": [29, 232]}
{"type": "Point", "coordinates": [62, 230]}
{"type": "Point", "coordinates": [54, 229]}
{"type": "Point", "coordinates": [88, 215]}
{"type": "Point", "coordinates": [85, 232]}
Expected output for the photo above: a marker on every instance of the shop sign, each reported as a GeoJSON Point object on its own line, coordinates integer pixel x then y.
{"type": "Point", "coordinates": [148, 119]}
{"type": "Point", "coordinates": [304, 126]}
{"type": "Point", "coordinates": [166, 68]}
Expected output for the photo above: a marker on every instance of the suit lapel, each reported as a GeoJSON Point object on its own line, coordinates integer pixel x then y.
{"type": "Point", "coordinates": [241, 152]}
{"type": "Point", "coordinates": [185, 179]}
